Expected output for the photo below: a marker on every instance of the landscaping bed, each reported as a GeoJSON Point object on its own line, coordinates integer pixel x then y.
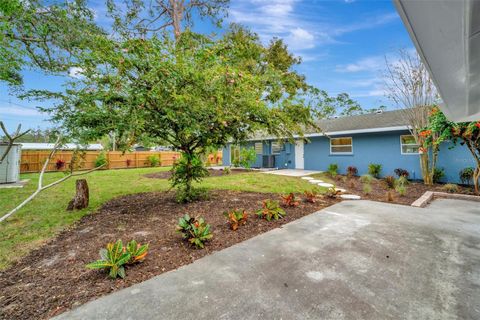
{"type": "Point", "coordinates": [415, 189]}
{"type": "Point", "coordinates": [212, 173]}
{"type": "Point", "coordinates": [53, 278]}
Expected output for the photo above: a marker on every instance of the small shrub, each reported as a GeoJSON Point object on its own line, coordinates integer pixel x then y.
{"type": "Point", "coordinates": [236, 162]}
{"type": "Point", "coordinates": [101, 160]}
{"type": "Point", "coordinates": [367, 188]}
{"type": "Point", "coordinates": [310, 196]}
{"type": "Point", "coordinates": [289, 200]}
{"type": "Point", "coordinates": [271, 210]}
{"type": "Point", "coordinates": [333, 169]}
{"type": "Point", "coordinates": [60, 164]}
{"type": "Point", "coordinates": [366, 178]}
{"type": "Point", "coordinates": [402, 181]}
{"type": "Point", "coordinates": [374, 169]}
{"type": "Point", "coordinates": [389, 196]}
{"type": "Point", "coordinates": [438, 174]}
{"type": "Point", "coordinates": [116, 256]}
{"type": "Point", "coordinates": [236, 218]}
{"type": "Point", "coordinates": [153, 160]}
{"type": "Point", "coordinates": [227, 170]}
{"type": "Point", "coordinates": [195, 231]}
{"type": "Point", "coordinates": [331, 192]}
{"type": "Point", "coordinates": [248, 156]}
{"type": "Point", "coordinates": [401, 173]}
{"type": "Point", "coordinates": [352, 171]}
{"type": "Point", "coordinates": [195, 194]}
{"type": "Point", "coordinates": [401, 190]}
{"type": "Point", "coordinates": [390, 181]}
{"type": "Point", "coordinates": [466, 175]}
{"type": "Point", "coordinates": [451, 188]}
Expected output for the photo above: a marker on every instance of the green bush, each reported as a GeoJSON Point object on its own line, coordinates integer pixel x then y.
{"type": "Point", "coordinates": [402, 181]}
{"type": "Point", "coordinates": [451, 188]}
{"type": "Point", "coordinates": [367, 188]}
{"type": "Point", "coordinates": [195, 194]}
{"type": "Point", "coordinates": [374, 169]}
{"type": "Point", "coordinates": [466, 175]}
{"type": "Point", "coordinates": [227, 170]}
{"type": "Point", "coordinates": [153, 160]}
{"type": "Point", "coordinates": [101, 160]}
{"type": "Point", "coordinates": [185, 171]}
{"type": "Point", "coordinates": [366, 178]}
{"type": "Point", "coordinates": [195, 231]}
{"type": "Point", "coordinates": [333, 169]}
{"type": "Point", "coordinates": [438, 174]}
{"type": "Point", "coordinates": [248, 156]}
{"type": "Point", "coordinates": [271, 210]}
{"type": "Point", "coordinates": [401, 189]}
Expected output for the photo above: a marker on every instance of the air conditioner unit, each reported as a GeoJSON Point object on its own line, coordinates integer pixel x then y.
{"type": "Point", "coordinates": [268, 161]}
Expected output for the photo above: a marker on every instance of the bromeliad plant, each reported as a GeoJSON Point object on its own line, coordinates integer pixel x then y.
{"type": "Point", "coordinates": [236, 218]}
{"type": "Point", "coordinates": [196, 231]}
{"type": "Point", "coordinates": [271, 210]}
{"type": "Point", "coordinates": [116, 256]}
{"type": "Point", "coordinates": [289, 200]}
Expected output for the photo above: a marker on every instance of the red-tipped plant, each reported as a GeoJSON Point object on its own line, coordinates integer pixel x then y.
{"type": "Point", "coordinates": [236, 218]}
{"type": "Point", "coordinates": [289, 200]}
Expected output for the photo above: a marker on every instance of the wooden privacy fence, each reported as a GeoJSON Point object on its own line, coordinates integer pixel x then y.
{"type": "Point", "coordinates": [32, 161]}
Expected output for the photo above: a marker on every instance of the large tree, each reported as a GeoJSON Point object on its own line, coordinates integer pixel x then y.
{"type": "Point", "coordinates": [193, 92]}
{"type": "Point", "coordinates": [409, 85]}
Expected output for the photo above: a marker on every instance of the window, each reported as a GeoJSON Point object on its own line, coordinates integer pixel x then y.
{"type": "Point", "coordinates": [258, 148]}
{"type": "Point", "coordinates": [341, 145]}
{"type": "Point", "coordinates": [234, 154]}
{"type": "Point", "coordinates": [277, 147]}
{"type": "Point", "coordinates": [408, 144]}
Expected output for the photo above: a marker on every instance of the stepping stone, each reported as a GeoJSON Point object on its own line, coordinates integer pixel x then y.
{"type": "Point", "coordinates": [340, 189]}
{"type": "Point", "coordinates": [307, 178]}
{"type": "Point", "coordinates": [350, 197]}
{"type": "Point", "coordinates": [326, 185]}
{"type": "Point", "coordinates": [315, 181]}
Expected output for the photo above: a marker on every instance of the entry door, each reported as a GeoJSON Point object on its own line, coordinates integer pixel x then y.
{"type": "Point", "coordinates": [299, 161]}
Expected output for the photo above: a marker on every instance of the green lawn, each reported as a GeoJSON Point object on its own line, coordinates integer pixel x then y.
{"type": "Point", "coordinates": [46, 215]}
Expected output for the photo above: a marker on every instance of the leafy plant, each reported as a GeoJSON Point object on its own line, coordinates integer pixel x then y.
{"type": "Point", "coordinates": [186, 170]}
{"type": "Point", "coordinates": [101, 160]}
{"type": "Point", "coordinates": [451, 188]}
{"type": "Point", "coordinates": [401, 173]}
{"type": "Point", "coordinates": [227, 170]}
{"type": "Point", "coordinates": [374, 169]}
{"type": "Point", "coordinates": [289, 200]}
{"type": "Point", "coordinates": [195, 194]}
{"type": "Point", "coordinates": [153, 160]}
{"type": "Point", "coordinates": [195, 231]}
{"type": "Point", "coordinates": [401, 189]}
{"type": "Point", "coordinates": [271, 210]}
{"type": "Point", "coordinates": [333, 169]}
{"type": "Point", "coordinates": [60, 164]}
{"type": "Point", "coordinates": [466, 175]}
{"type": "Point", "coordinates": [310, 196]}
{"type": "Point", "coordinates": [367, 188]}
{"type": "Point", "coordinates": [366, 178]}
{"type": "Point", "coordinates": [236, 218]}
{"type": "Point", "coordinates": [390, 181]}
{"type": "Point", "coordinates": [402, 181]}
{"type": "Point", "coordinates": [438, 174]}
{"type": "Point", "coordinates": [248, 156]}
{"type": "Point", "coordinates": [115, 256]}
{"type": "Point", "coordinates": [352, 171]}
{"type": "Point", "coordinates": [331, 192]}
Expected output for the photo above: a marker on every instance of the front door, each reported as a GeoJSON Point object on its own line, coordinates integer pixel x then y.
{"type": "Point", "coordinates": [299, 161]}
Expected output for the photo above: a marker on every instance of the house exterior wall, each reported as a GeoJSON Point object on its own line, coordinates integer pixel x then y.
{"type": "Point", "coordinates": [383, 148]}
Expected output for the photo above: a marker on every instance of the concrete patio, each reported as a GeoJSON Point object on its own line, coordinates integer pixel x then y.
{"type": "Point", "coordinates": [354, 260]}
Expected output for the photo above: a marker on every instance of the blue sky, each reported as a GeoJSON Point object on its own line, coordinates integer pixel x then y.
{"type": "Point", "coordinates": [343, 44]}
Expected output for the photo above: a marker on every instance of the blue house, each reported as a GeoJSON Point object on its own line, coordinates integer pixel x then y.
{"type": "Point", "coordinates": [381, 137]}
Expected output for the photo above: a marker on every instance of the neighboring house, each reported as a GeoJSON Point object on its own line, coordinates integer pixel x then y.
{"type": "Point", "coordinates": [67, 146]}
{"type": "Point", "coordinates": [357, 141]}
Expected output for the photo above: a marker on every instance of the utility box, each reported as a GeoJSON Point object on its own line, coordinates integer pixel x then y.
{"type": "Point", "coordinates": [10, 167]}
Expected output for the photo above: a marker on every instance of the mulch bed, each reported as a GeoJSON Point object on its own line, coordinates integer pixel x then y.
{"type": "Point", "coordinates": [53, 278]}
{"type": "Point", "coordinates": [415, 190]}
{"type": "Point", "coordinates": [212, 172]}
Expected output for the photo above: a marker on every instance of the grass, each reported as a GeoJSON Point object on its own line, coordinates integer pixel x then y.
{"type": "Point", "coordinates": [45, 216]}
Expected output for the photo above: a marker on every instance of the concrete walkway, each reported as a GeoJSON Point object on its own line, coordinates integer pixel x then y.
{"type": "Point", "coordinates": [354, 260]}
{"type": "Point", "coordinates": [292, 172]}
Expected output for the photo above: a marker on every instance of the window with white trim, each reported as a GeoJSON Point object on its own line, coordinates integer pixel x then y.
{"type": "Point", "coordinates": [277, 147]}
{"type": "Point", "coordinates": [258, 148]}
{"type": "Point", "coordinates": [342, 145]}
{"type": "Point", "coordinates": [408, 144]}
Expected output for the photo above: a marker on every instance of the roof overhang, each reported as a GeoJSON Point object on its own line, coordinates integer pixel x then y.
{"type": "Point", "coordinates": [446, 34]}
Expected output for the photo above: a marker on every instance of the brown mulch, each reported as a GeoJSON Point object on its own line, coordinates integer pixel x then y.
{"type": "Point", "coordinates": [415, 190]}
{"type": "Point", "coordinates": [212, 173]}
{"type": "Point", "coordinates": [53, 278]}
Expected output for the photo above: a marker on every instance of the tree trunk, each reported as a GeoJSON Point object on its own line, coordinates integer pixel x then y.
{"type": "Point", "coordinates": [476, 177]}
{"type": "Point", "coordinates": [424, 165]}
{"type": "Point", "coordinates": [81, 198]}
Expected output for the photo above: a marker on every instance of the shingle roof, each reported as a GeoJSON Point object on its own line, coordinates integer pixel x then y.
{"type": "Point", "coordinates": [386, 119]}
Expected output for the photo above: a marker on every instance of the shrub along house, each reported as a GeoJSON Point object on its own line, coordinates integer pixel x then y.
{"type": "Point", "coordinates": [381, 138]}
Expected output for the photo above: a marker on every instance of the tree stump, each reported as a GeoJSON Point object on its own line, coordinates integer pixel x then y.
{"type": "Point", "coordinates": [81, 198]}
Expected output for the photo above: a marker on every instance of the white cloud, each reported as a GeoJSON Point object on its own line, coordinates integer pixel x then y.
{"type": "Point", "coordinates": [19, 111]}
{"type": "Point", "coordinates": [365, 64]}
{"type": "Point", "coordinates": [300, 39]}
{"type": "Point", "coordinates": [75, 72]}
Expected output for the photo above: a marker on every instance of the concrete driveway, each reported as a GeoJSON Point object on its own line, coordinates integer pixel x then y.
{"type": "Point", "coordinates": [354, 260]}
